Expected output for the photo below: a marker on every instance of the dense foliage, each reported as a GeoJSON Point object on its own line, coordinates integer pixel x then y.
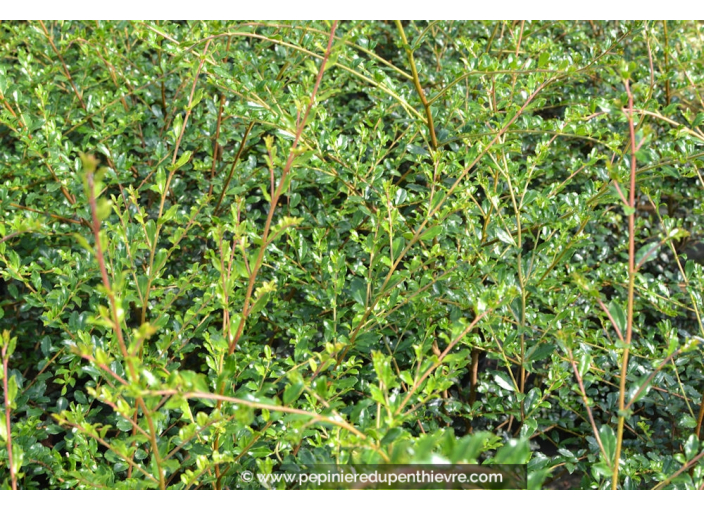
{"type": "Point", "coordinates": [238, 245]}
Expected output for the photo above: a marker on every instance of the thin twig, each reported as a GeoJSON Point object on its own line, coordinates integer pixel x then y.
{"type": "Point", "coordinates": [597, 436]}
{"type": "Point", "coordinates": [279, 190]}
{"type": "Point", "coordinates": [116, 322]}
{"type": "Point", "coordinates": [631, 292]}
{"type": "Point", "coordinates": [419, 381]}
{"type": "Point", "coordinates": [232, 167]}
{"type": "Point", "coordinates": [419, 88]}
{"type": "Point", "coordinates": [8, 441]}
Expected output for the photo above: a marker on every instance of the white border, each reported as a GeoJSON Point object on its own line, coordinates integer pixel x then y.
{"type": "Point", "coordinates": [347, 500]}
{"type": "Point", "coordinates": [353, 9]}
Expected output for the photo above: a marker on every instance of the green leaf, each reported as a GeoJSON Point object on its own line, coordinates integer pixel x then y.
{"type": "Point", "coordinates": [359, 291]}
{"type": "Point", "coordinates": [585, 361]}
{"type": "Point", "coordinates": [83, 242]}
{"type": "Point", "coordinates": [468, 448]}
{"type": "Point", "coordinates": [504, 381]}
{"type": "Point", "coordinates": [398, 245]}
{"type": "Point", "coordinates": [292, 392]}
{"type": "Point", "coordinates": [539, 352]}
{"type": "Point", "coordinates": [515, 451]}
{"type": "Point", "coordinates": [698, 120]}
{"type": "Point", "coordinates": [608, 440]}
{"type": "Point", "coordinates": [9, 342]}
{"type": "Point", "coordinates": [182, 160]}
{"type": "Point", "coordinates": [543, 60]}
{"type": "Point", "coordinates": [392, 435]}
{"type": "Point", "coordinates": [17, 458]}
{"type": "Point", "coordinates": [438, 199]}
{"type": "Point", "coordinates": [431, 232]}
{"type": "Point", "coordinates": [11, 391]}
{"type": "Point", "coordinates": [649, 249]}
{"type": "Point", "coordinates": [691, 447]}
{"type": "Point", "coordinates": [261, 296]}
{"type": "Point", "coordinates": [417, 150]}
{"type": "Point", "coordinates": [532, 399]}
{"type": "Point", "coordinates": [505, 237]}
{"type": "Point", "coordinates": [161, 180]}
{"type": "Point", "coordinates": [103, 208]}
{"type": "Point", "coordinates": [400, 197]}
{"type": "Point", "coordinates": [618, 316]}
{"type": "Point", "coordinates": [197, 97]}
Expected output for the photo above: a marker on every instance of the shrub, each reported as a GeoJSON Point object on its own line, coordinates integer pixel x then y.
{"type": "Point", "coordinates": [240, 245]}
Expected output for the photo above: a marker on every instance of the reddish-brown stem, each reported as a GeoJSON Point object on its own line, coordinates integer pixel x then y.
{"type": "Point", "coordinates": [631, 291]}
{"type": "Point", "coordinates": [611, 318]}
{"type": "Point", "coordinates": [79, 96]}
{"type": "Point", "coordinates": [8, 442]}
{"type": "Point", "coordinates": [332, 420]}
{"type": "Point", "coordinates": [104, 367]}
{"type": "Point", "coordinates": [700, 419]}
{"type": "Point", "coordinates": [667, 64]}
{"type": "Point", "coordinates": [695, 460]}
{"type": "Point", "coordinates": [63, 64]}
{"type": "Point", "coordinates": [595, 430]}
{"type": "Point", "coordinates": [217, 150]}
{"type": "Point", "coordinates": [277, 194]}
{"type": "Point", "coordinates": [115, 317]}
{"type": "Point", "coordinates": [95, 226]}
{"type": "Point", "coordinates": [50, 215]}
{"type": "Point", "coordinates": [474, 371]}
{"type": "Point", "coordinates": [655, 372]}
{"type": "Point", "coordinates": [232, 167]}
{"type": "Point", "coordinates": [145, 302]}
{"type": "Point", "coordinates": [620, 193]}
{"type": "Point", "coordinates": [451, 345]}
